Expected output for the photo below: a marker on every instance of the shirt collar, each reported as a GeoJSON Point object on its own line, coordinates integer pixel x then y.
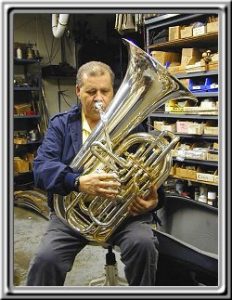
{"type": "Point", "coordinates": [85, 124]}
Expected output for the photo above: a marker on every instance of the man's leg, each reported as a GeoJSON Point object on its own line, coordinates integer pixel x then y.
{"type": "Point", "coordinates": [55, 255]}
{"type": "Point", "coordinates": [138, 251]}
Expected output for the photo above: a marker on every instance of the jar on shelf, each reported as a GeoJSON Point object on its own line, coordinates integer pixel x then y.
{"type": "Point", "coordinates": [212, 198]}
{"type": "Point", "coordinates": [19, 53]}
{"type": "Point", "coordinates": [196, 193]}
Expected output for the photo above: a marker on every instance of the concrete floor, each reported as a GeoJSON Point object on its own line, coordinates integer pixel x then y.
{"type": "Point", "coordinates": [28, 229]}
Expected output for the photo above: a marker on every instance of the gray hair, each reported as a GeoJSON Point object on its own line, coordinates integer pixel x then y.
{"type": "Point", "coordinates": [93, 68]}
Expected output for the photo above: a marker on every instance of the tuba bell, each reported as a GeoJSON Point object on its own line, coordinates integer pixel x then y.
{"type": "Point", "coordinates": [147, 85]}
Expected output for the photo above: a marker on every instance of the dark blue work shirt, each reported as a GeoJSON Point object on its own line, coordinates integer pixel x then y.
{"type": "Point", "coordinates": [61, 143]}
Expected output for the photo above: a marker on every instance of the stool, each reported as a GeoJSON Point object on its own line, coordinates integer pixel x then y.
{"type": "Point", "coordinates": [111, 277]}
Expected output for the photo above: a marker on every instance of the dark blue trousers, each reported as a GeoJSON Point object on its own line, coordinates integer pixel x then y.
{"type": "Point", "coordinates": [60, 245]}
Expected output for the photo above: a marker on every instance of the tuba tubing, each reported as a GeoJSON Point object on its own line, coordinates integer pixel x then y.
{"type": "Point", "coordinates": [146, 86]}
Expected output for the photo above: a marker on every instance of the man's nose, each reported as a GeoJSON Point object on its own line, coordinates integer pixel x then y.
{"type": "Point", "coordinates": [98, 96]}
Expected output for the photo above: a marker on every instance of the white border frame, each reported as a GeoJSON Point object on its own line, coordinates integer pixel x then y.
{"type": "Point", "coordinates": [223, 290]}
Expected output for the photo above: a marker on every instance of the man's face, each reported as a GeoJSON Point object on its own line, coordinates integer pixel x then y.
{"type": "Point", "coordinates": [94, 88]}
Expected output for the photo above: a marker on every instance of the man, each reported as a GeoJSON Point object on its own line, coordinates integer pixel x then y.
{"type": "Point", "coordinates": [65, 136]}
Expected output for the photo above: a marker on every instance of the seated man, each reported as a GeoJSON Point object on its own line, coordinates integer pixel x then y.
{"type": "Point", "coordinates": [60, 244]}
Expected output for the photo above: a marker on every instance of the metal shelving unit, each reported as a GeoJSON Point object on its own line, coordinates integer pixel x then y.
{"type": "Point", "coordinates": [26, 123]}
{"type": "Point", "coordinates": [156, 25]}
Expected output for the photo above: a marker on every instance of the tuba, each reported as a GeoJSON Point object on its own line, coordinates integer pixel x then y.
{"type": "Point", "coordinates": [140, 160]}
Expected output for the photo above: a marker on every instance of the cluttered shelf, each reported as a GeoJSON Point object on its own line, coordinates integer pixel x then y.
{"type": "Point", "coordinates": [19, 117]}
{"type": "Point", "coordinates": [193, 136]}
{"type": "Point", "coordinates": [197, 74]}
{"type": "Point", "coordinates": [25, 61]}
{"type": "Point", "coordinates": [197, 162]}
{"type": "Point", "coordinates": [183, 116]}
{"type": "Point", "coordinates": [196, 136]}
{"type": "Point", "coordinates": [204, 40]}
{"type": "Point", "coordinates": [195, 180]}
{"type": "Point", "coordinates": [187, 47]}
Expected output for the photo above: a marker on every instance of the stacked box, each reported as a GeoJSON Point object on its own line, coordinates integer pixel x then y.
{"type": "Point", "coordinates": [163, 56]}
{"type": "Point", "coordinates": [174, 33]}
{"type": "Point", "coordinates": [186, 31]}
{"type": "Point", "coordinates": [212, 27]}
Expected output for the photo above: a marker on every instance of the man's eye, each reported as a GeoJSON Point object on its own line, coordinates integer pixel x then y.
{"type": "Point", "coordinates": [91, 92]}
{"type": "Point", "coordinates": [105, 92]}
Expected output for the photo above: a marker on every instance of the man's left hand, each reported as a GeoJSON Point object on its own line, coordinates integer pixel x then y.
{"type": "Point", "coordinates": [141, 206]}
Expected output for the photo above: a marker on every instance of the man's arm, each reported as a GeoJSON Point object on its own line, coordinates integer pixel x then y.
{"type": "Point", "coordinates": [50, 173]}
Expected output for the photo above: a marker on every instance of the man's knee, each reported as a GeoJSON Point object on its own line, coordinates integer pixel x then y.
{"type": "Point", "coordinates": [47, 260]}
{"type": "Point", "coordinates": [141, 242]}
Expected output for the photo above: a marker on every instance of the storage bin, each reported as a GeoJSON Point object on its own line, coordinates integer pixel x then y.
{"type": "Point", "coordinates": [197, 85]}
{"type": "Point", "coordinates": [211, 85]}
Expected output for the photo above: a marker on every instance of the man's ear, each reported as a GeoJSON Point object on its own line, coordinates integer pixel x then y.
{"type": "Point", "coordinates": [77, 90]}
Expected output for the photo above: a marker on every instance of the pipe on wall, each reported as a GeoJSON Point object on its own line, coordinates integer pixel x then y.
{"type": "Point", "coordinates": [59, 23]}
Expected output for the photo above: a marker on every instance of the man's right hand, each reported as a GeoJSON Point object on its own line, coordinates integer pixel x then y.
{"type": "Point", "coordinates": [100, 184]}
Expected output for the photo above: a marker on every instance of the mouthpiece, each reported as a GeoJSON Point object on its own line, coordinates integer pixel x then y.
{"type": "Point", "coordinates": [99, 106]}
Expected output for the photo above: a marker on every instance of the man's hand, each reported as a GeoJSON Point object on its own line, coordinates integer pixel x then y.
{"type": "Point", "coordinates": [100, 184]}
{"type": "Point", "coordinates": [141, 206]}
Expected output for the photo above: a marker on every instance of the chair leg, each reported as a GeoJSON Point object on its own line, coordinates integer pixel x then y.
{"type": "Point", "coordinates": [111, 277]}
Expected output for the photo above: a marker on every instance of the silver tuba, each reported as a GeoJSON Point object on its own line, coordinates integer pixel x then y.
{"type": "Point", "coordinates": [146, 86]}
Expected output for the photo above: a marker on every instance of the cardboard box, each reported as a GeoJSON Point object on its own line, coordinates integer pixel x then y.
{"type": "Point", "coordinates": [176, 69]}
{"type": "Point", "coordinates": [196, 128]}
{"type": "Point", "coordinates": [174, 106]}
{"type": "Point", "coordinates": [186, 31]}
{"type": "Point", "coordinates": [210, 130]}
{"type": "Point", "coordinates": [212, 66]}
{"type": "Point", "coordinates": [190, 56]}
{"type": "Point", "coordinates": [21, 165]}
{"type": "Point", "coordinates": [163, 57]}
{"type": "Point", "coordinates": [170, 127]}
{"type": "Point", "coordinates": [20, 140]}
{"type": "Point", "coordinates": [185, 173]}
{"type": "Point", "coordinates": [174, 33]}
{"type": "Point", "coordinates": [158, 125]}
{"type": "Point", "coordinates": [182, 126]}
{"type": "Point", "coordinates": [212, 156]}
{"type": "Point", "coordinates": [22, 108]}
{"type": "Point", "coordinates": [215, 179]}
{"type": "Point", "coordinates": [205, 177]}
{"type": "Point", "coordinates": [199, 30]}
{"type": "Point", "coordinates": [161, 126]}
{"type": "Point", "coordinates": [197, 67]}
{"type": "Point", "coordinates": [212, 27]}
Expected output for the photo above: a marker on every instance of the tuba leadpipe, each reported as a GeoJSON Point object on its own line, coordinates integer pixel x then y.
{"type": "Point", "coordinates": [146, 86]}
